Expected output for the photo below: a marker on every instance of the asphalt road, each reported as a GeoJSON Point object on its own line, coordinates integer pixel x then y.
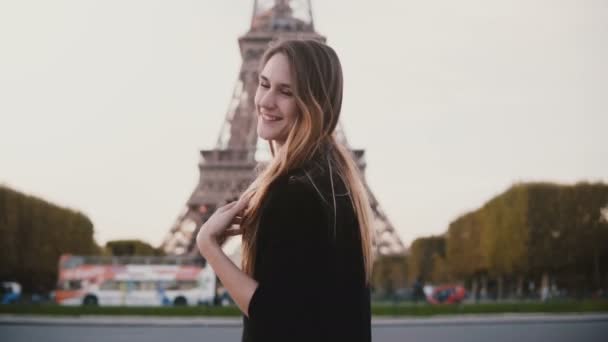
{"type": "Point", "coordinates": [586, 328]}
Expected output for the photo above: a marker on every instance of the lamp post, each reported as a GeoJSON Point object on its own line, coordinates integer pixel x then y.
{"type": "Point", "coordinates": [603, 219]}
{"type": "Point", "coordinates": [546, 282]}
{"type": "Point", "coordinates": [604, 214]}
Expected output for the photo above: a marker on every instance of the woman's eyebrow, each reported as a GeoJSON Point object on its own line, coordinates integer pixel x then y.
{"type": "Point", "coordinates": [265, 79]}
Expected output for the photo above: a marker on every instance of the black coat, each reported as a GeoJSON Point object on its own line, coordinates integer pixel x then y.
{"type": "Point", "coordinates": [311, 277]}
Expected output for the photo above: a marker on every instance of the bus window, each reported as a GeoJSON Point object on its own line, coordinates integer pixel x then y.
{"type": "Point", "coordinates": [72, 262]}
{"type": "Point", "coordinates": [165, 284]}
{"type": "Point", "coordinates": [187, 284]}
{"type": "Point", "coordinates": [133, 285]}
{"type": "Point", "coordinates": [110, 285]}
{"type": "Point", "coordinates": [148, 286]}
{"type": "Point", "coordinates": [172, 285]}
{"type": "Point", "coordinates": [70, 285]}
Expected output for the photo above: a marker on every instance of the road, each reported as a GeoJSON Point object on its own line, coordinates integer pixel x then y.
{"type": "Point", "coordinates": [520, 328]}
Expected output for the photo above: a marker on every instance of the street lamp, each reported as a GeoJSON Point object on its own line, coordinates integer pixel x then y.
{"type": "Point", "coordinates": [596, 259]}
{"type": "Point", "coordinates": [604, 214]}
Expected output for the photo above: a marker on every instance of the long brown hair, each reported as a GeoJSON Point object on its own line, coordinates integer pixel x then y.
{"type": "Point", "coordinates": [317, 89]}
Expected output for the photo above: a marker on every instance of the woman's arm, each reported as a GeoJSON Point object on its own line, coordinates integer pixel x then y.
{"type": "Point", "coordinates": [238, 284]}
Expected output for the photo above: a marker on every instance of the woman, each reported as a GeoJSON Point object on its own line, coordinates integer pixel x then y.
{"type": "Point", "coordinates": [305, 220]}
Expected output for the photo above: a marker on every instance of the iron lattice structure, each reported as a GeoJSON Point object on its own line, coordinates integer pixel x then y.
{"type": "Point", "coordinates": [227, 169]}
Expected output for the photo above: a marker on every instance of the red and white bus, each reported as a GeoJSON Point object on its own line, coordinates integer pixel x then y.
{"type": "Point", "coordinates": [134, 281]}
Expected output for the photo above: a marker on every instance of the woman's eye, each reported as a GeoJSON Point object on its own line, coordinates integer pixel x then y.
{"type": "Point", "coordinates": [286, 92]}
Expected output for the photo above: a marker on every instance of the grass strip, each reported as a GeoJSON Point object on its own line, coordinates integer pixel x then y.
{"type": "Point", "coordinates": [58, 310]}
{"type": "Point", "coordinates": [378, 309]}
{"type": "Point", "coordinates": [489, 308]}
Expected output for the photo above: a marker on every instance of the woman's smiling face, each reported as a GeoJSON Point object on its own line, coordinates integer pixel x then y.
{"type": "Point", "coordinates": [275, 101]}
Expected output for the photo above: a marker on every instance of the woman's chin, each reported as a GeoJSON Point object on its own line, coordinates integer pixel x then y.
{"type": "Point", "coordinates": [267, 134]}
{"type": "Point", "coordinates": [263, 135]}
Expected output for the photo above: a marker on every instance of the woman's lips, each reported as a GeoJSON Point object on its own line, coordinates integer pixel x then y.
{"type": "Point", "coordinates": [271, 118]}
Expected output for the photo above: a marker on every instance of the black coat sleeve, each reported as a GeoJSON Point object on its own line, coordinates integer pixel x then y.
{"type": "Point", "coordinates": [294, 260]}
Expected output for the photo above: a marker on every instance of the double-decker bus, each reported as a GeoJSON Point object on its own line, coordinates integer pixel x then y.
{"type": "Point", "coordinates": [134, 281]}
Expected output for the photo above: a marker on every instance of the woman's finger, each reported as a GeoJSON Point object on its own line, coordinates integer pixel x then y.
{"type": "Point", "coordinates": [241, 204]}
{"type": "Point", "coordinates": [233, 232]}
{"type": "Point", "coordinates": [228, 206]}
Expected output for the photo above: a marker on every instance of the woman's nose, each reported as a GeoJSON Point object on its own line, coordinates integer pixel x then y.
{"type": "Point", "coordinates": [267, 100]}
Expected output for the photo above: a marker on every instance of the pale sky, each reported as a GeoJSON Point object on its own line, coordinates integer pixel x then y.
{"type": "Point", "coordinates": [104, 105]}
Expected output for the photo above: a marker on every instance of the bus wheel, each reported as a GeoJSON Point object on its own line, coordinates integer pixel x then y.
{"type": "Point", "coordinates": [89, 300]}
{"type": "Point", "coordinates": [180, 301]}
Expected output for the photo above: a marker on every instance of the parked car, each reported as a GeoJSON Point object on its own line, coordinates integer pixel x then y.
{"type": "Point", "coordinates": [447, 294]}
{"type": "Point", "coordinates": [10, 292]}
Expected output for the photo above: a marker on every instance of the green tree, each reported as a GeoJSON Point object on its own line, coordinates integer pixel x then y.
{"type": "Point", "coordinates": [390, 273]}
{"type": "Point", "coordinates": [34, 235]}
{"type": "Point", "coordinates": [132, 248]}
{"type": "Point", "coordinates": [422, 257]}
{"type": "Point", "coordinates": [544, 231]}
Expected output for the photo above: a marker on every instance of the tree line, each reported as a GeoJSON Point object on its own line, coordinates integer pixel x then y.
{"type": "Point", "coordinates": [34, 233]}
{"type": "Point", "coordinates": [537, 234]}
{"type": "Point", "coordinates": [532, 236]}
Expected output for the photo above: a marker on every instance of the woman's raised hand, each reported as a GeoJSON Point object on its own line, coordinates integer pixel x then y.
{"type": "Point", "coordinates": [221, 224]}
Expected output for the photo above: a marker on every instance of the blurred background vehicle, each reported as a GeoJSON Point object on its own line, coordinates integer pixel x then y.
{"type": "Point", "coordinates": [134, 281]}
{"type": "Point", "coordinates": [447, 294]}
{"type": "Point", "coordinates": [10, 292]}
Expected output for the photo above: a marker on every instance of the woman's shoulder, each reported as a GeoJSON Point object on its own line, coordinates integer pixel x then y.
{"type": "Point", "coordinates": [319, 177]}
{"type": "Point", "coordinates": [298, 192]}
{"type": "Point", "coordinates": [293, 187]}
{"type": "Point", "coordinates": [292, 202]}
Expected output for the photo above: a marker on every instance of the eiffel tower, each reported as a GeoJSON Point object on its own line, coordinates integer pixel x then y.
{"type": "Point", "coordinates": [227, 169]}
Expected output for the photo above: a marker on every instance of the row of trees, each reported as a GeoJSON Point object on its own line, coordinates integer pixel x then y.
{"type": "Point", "coordinates": [33, 234]}
{"type": "Point", "coordinates": [132, 248]}
{"type": "Point", "coordinates": [533, 235]}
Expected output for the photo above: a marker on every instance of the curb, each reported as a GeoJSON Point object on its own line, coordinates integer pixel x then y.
{"type": "Point", "coordinates": [476, 319]}
{"type": "Point", "coordinates": [91, 320]}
